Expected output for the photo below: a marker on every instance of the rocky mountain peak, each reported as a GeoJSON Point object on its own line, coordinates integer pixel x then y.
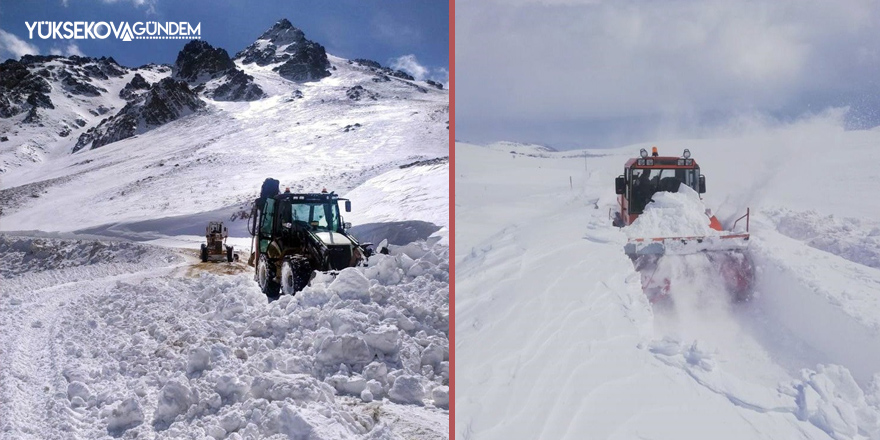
{"type": "Point", "coordinates": [199, 61]}
{"type": "Point", "coordinates": [283, 33]}
{"type": "Point", "coordinates": [301, 59]}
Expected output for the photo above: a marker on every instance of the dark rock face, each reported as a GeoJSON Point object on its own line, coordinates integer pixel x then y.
{"type": "Point", "coordinates": [77, 85]}
{"type": "Point", "coordinates": [38, 99]}
{"type": "Point", "coordinates": [166, 101]}
{"type": "Point", "coordinates": [382, 72]}
{"type": "Point", "coordinates": [308, 63]}
{"type": "Point", "coordinates": [238, 87]}
{"type": "Point", "coordinates": [198, 61]}
{"type": "Point", "coordinates": [131, 89]}
{"type": "Point", "coordinates": [17, 84]}
{"type": "Point", "coordinates": [435, 84]}
{"type": "Point", "coordinates": [303, 60]}
{"type": "Point", "coordinates": [401, 74]}
{"type": "Point", "coordinates": [368, 63]}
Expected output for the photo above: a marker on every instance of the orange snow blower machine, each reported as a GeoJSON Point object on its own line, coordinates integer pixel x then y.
{"type": "Point", "coordinates": [647, 175]}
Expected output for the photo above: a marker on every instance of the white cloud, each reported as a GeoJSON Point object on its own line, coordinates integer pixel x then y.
{"type": "Point", "coordinates": [410, 65]}
{"type": "Point", "coordinates": [73, 49]}
{"type": "Point", "coordinates": [14, 47]}
{"type": "Point", "coordinates": [568, 60]}
{"type": "Point", "coordinates": [68, 50]}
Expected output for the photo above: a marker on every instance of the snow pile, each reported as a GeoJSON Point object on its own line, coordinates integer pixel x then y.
{"type": "Point", "coordinates": [831, 399]}
{"type": "Point", "coordinates": [680, 214]}
{"type": "Point", "coordinates": [857, 240]}
{"type": "Point", "coordinates": [363, 354]}
{"type": "Point", "coordinates": [22, 255]}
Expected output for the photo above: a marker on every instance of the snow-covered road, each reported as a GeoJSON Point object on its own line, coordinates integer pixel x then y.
{"type": "Point", "coordinates": [103, 339]}
{"type": "Point", "coordinates": [555, 339]}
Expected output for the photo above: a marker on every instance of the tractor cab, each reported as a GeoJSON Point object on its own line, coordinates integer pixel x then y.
{"type": "Point", "coordinates": [646, 175]}
{"type": "Point", "coordinates": [296, 235]}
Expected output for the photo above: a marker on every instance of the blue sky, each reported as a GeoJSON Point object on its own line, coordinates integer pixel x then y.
{"type": "Point", "coordinates": [610, 73]}
{"type": "Point", "coordinates": [383, 30]}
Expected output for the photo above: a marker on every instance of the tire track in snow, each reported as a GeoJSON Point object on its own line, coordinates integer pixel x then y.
{"type": "Point", "coordinates": [30, 351]}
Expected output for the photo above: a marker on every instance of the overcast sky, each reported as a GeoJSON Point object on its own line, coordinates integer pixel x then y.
{"type": "Point", "coordinates": [578, 73]}
{"type": "Point", "coordinates": [413, 35]}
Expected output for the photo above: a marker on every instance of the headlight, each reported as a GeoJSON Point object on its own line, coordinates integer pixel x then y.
{"type": "Point", "coordinates": [687, 153]}
{"type": "Point", "coordinates": [643, 153]}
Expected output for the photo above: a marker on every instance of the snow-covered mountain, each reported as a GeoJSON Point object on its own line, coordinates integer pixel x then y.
{"type": "Point", "coordinates": [80, 135]}
{"type": "Point", "coordinates": [520, 148]}
{"type": "Point", "coordinates": [556, 339]}
{"type": "Point", "coordinates": [109, 325]}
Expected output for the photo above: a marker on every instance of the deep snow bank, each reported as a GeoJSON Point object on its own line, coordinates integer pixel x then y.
{"type": "Point", "coordinates": [23, 255]}
{"type": "Point", "coordinates": [364, 355]}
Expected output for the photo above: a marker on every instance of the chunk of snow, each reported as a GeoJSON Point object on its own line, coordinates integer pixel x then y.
{"type": "Point", "coordinates": [407, 389]}
{"type": "Point", "coordinates": [680, 214]}
{"type": "Point", "coordinates": [441, 396]}
{"type": "Point", "coordinates": [174, 399]}
{"type": "Point", "coordinates": [351, 284]}
{"type": "Point", "coordinates": [199, 360]}
{"type": "Point", "coordinates": [349, 349]}
{"type": "Point", "coordinates": [126, 415]}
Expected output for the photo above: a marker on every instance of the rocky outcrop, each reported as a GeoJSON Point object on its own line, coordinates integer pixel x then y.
{"type": "Point", "coordinates": [367, 63]}
{"type": "Point", "coordinates": [382, 73]}
{"type": "Point", "coordinates": [357, 93]}
{"type": "Point", "coordinates": [134, 87]}
{"type": "Point", "coordinates": [38, 99]}
{"type": "Point", "coordinates": [166, 101]}
{"type": "Point", "coordinates": [78, 85]}
{"type": "Point", "coordinates": [17, 84]}
{"type": "Point", "coordinates": [198, 62]}
{"type": "Point", "coordinates": [435, 84]}
{"type": "Point", "coordinates": [239, 86]}
{"type": "Point", "coordinates": [301, 59]}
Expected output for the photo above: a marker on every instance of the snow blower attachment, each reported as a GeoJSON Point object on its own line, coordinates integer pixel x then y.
{"type": "Point", "coordinates": [298, 234]}
{"type": "Point", "coordinates": [643, 179]}
{"type": "Point", "coordinates": [216, 248]}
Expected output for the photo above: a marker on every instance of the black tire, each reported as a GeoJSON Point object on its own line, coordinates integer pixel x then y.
{"type": "Point", "coordinates": [295, 275]}
{"type": "Point", "coordinates": [229, 254]}
{"type": "Point", "coordinates": [266, 278]}
{"type": "Point", "coordinates": [204, 254]}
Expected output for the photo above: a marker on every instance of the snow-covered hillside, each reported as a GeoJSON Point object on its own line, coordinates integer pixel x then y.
{"type": "Point", "coordinates": [335, 133]}
{"type": "Point", "coordinates": [555, 338]}
{"type": "Point", "coordinates": [110, 326]}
